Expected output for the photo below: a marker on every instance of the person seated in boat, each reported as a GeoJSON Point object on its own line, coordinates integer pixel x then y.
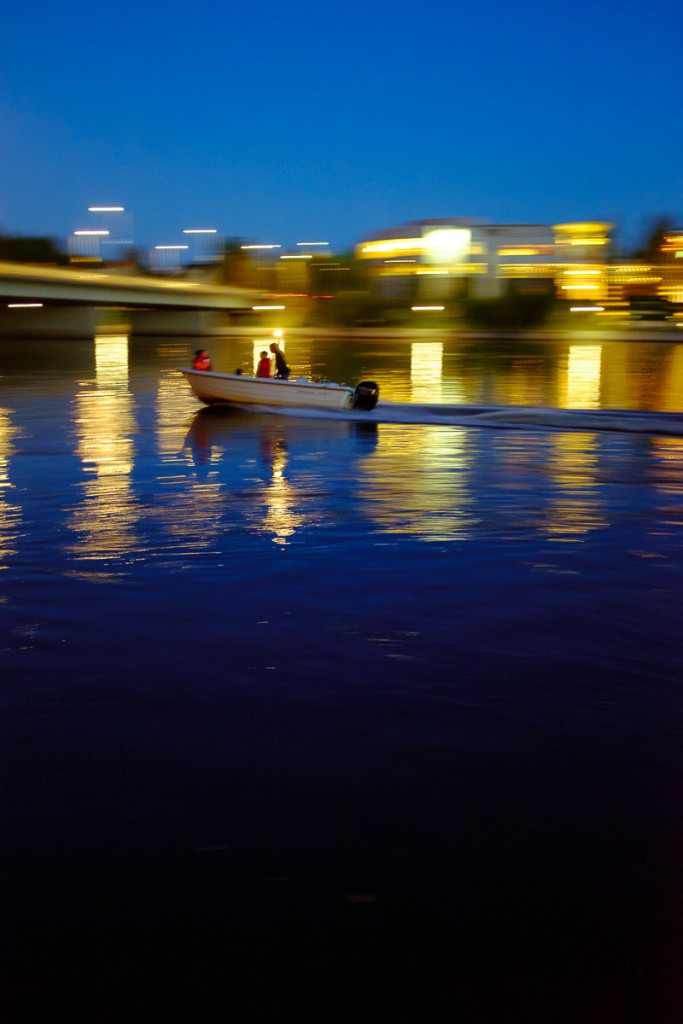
{"type": "Point", "coordinates": [281, 368]}
{"type": "Point", "coordinates": [201, 360]}
{"type": "Point", "coordinates": [263, 368]}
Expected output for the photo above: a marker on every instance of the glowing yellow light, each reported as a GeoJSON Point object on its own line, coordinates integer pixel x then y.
{"type": "Point", "coordinates": [298, 256]}
{"type": "Point", "coordinates": [267, 307]}
{"type": "Point", "coordinates": [111, 359]}
{"type": "Point", "coordinates": [448, 244]}
{"type": "Point", "coordinates": [581, 273]}
{"type": "Point", "coordinates": [394, 245]}
{"type": "Point", "coordinates": [426, 362]}
{"type": "Point", "coordinates": [24, 305]}
{"type": "Point", "coordinates": [583, 376]}
{"type": "Point", "coordinates": [587, 309]}
{"type": "Point", "coordinates": [518, 252]}
{"type": "Point", "coordinates": [580, 287]}
{"type": "Point", "coordinates": [416, 308]}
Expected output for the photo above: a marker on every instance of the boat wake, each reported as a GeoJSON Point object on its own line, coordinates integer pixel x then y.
{"type": "Point", "coordinates": [508, 417]}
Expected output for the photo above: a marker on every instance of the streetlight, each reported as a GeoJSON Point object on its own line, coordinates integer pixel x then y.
{"type": "Point", "coordinates": [89, 249]}
{"type": "Point", "coordinates": [170, 249]}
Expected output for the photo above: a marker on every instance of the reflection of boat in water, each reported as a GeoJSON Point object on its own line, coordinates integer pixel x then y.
{"type": "Point", "coordinates": [236, 389]}
{"type": "Point", "coordinates": [217, 429]}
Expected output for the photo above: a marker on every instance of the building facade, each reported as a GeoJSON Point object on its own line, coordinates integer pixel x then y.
{"type": "Point", "coordinates": [456, 258]}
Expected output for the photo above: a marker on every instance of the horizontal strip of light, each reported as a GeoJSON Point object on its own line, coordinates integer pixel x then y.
{"type": "Point", "coordinates": [394, 245]}
{"type": "Point", "coordinates": [312, 243]}
{"type": "Point", "coordinates": [587, 309]}
{"type": "Point", "coordinates": [24, 305]}
{"type": "Point", "coordinates": [306, 256]}
{"type": "Point", "coordinates": [260, 247]}
{"type": "Point", "coordinates": [105, 209]}
{"type": "Point", "coordinates": [581, 273]}
{"type": "Point", "coordinates": [91, 232]}
{"type": "Point", "coordinates": [200, 231]}
{"type": "Point", "coordinates": [415, 309]}
{"type": "Point", "coordinates": [267, 307]}
{"type": "Point", "coordinates": [518, 252]}
{"type": "Point", "coordinates": [579, 287]}
{"type": "Point", "coordinates": [171, 247]}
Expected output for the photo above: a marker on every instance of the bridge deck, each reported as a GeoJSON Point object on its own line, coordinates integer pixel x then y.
{"type": "Point", "coordinates": [20, 282]}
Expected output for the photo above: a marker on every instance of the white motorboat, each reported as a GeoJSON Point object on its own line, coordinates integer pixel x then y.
{"type": "Point", "coordinates": [238, 389]}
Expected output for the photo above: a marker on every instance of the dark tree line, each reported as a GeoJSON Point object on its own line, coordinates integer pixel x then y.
{"type": "Point", "coordinates": [26, 249]}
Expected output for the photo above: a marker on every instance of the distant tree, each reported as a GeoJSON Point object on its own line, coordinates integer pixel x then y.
{"type": "Point", "coordinates": [25, 249]}
{"type": "Point", "coordinates": [509, 312]}
{"type": "Point", "coordinates": [235, 266]}
{"type": "Point", "coordinates": [329, 275]}
{"type": "Point", "coordinates": [656, 231]}
{"type": "Point", "coordinates": [135, 260]}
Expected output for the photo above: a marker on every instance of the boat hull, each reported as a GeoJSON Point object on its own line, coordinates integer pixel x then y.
{"type": "Point", "coordinates": [235, 389]}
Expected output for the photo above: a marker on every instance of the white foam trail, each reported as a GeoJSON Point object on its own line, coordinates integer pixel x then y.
{"type": "Point", "coordinates": [511, 416]}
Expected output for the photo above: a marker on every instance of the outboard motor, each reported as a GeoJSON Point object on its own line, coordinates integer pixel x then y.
{"type": "Point", "coordinates": [365, 396]}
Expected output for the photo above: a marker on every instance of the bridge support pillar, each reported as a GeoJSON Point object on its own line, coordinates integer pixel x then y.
{"type": "Point", "coordinates": [62, 322]}
{"type": "Point", "coordinates": [181, 322]}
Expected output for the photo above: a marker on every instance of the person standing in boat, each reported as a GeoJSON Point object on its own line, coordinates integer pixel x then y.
{"type": "Point", "coordinates": [281, 368]}
{"type": "Point", "coordinates": [201, 360]}
{"type": "Point", "coordinates": [263, 368]}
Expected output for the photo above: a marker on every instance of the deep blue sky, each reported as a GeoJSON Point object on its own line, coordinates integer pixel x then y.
{"type": "Point", "coordinates": [290, 121]}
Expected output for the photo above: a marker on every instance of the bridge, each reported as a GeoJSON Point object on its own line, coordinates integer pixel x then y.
{"type": "Point", "coordinates": [72, 302]}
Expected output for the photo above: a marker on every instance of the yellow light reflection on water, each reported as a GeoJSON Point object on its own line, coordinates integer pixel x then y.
{"type": "Point", "coordinates": [280, 519]}
{"type": "Point", "coordinates": [581, 388]}
{"type": "Point", "coordinates": [175, 403]}
{"type": "Point", "coordinates": [105, 519]}
{"type": "Point", "coordinates": [415, 482]}
{"type": "Point", "coordinates": [672, 382]}
{"type": "Point", "coordinates": [10, 514]}
{"type": "Point", "coordinates": [426, 369]}
{"type": "Point", "coordinates": [668, 455]}
{"type": "Point", "coordinates": [111, 359]}
{"type": "Point", "coordinates": [576, 508]}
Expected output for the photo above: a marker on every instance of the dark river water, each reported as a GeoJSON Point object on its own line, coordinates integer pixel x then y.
{"type": "Point", "coordinates": [321, 719]}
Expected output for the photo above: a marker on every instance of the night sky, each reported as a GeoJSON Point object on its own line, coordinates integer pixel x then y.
{"type": "Point", "coordinates": [281, 122]}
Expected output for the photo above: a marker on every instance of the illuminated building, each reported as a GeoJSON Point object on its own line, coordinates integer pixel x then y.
{"type": "Point", "coordinates": [459, 257]}
{"type": "Point", "coordinates": [106, 239]}
{"type": "Point", "coordinates": [650, 289]}
{"type": "Point", "coordinates": [205, 245]}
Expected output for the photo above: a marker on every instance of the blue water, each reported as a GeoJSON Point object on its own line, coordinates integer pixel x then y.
{"type": "Point", "coordinates": [318, 719]}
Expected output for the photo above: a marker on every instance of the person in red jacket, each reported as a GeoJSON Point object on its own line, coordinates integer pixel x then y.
{"type": "Point", "coordinates": [201, 360]}
{"type": "Point", "coordinates": [263, 368]}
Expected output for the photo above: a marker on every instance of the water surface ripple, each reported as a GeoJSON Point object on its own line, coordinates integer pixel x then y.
{"type": "Point", "coordinates": [371, 718]}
